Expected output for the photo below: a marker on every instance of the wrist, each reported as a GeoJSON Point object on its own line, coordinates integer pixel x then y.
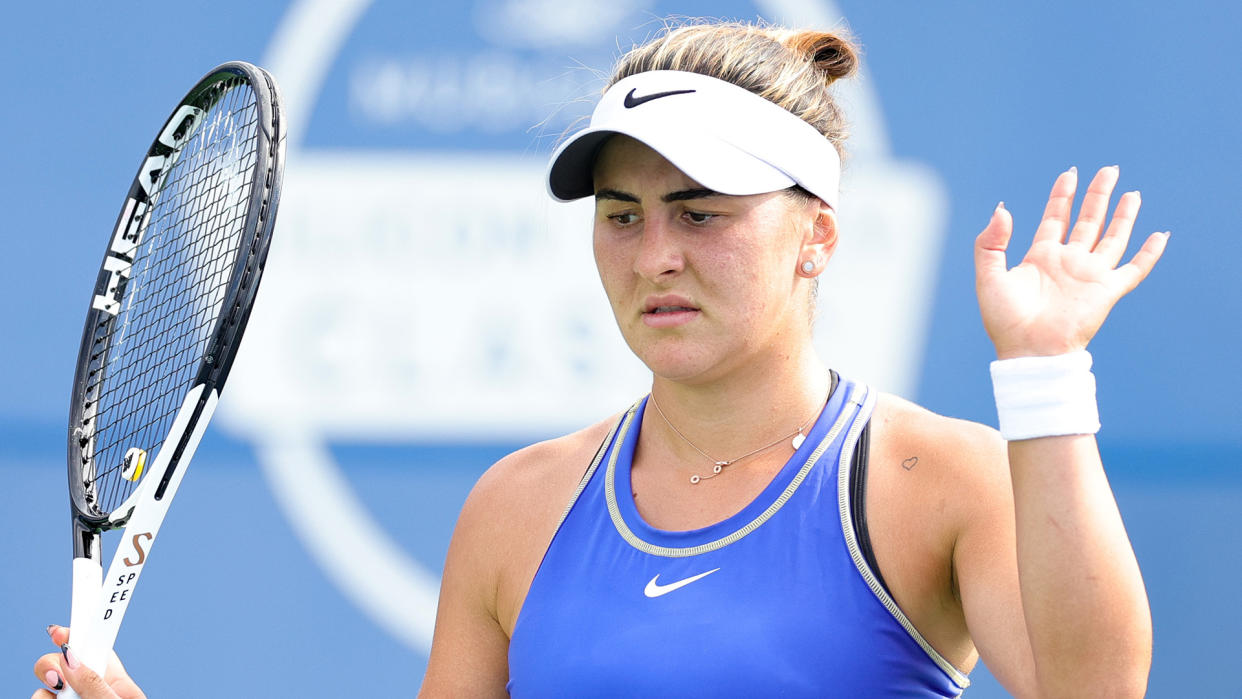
{"type": "Point", "coordinates": [1045, 396]}
{"type": "Point", "coordinates": [1004, 352]}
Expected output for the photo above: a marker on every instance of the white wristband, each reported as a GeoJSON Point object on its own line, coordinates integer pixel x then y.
{"type": "Point", "coordinates": [1045, 396]}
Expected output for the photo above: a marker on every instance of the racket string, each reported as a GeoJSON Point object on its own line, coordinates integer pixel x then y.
{"type": "Point", "coordinates": [189, 244]}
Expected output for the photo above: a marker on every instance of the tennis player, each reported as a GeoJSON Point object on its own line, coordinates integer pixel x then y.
{"type": "Point", "coordinates": [759, 525]}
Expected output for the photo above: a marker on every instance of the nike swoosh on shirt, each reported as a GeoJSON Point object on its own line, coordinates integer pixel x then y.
{"type": "Point", "coordinates": [655, 589]}
{"type": "Point", "coordinates": [631, 101]}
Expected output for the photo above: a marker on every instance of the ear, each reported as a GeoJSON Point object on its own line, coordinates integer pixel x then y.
{"type": "Point", "coordinates": [820, 240]}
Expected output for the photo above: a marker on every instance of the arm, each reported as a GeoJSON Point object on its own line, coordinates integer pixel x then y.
{"type": "Point", "coordinates": [1057, 563]}
{"type": "Point", "coordinates": [469, 649]}
{"type": "Point", "coordinates": [1084, 607]}
{"type": "Point", "coordinates": [1083, 597]}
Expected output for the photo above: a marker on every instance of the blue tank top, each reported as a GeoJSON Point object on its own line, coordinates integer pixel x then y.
{"type": "Point", "coordinates": [776, 600]}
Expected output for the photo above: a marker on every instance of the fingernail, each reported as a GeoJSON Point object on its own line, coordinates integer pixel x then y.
{"type": "Point", "coordinates": [70, 659]}
{"type": "Point", "coordinates": [50, 628]}
{"type": "Point", "coordinates": [53, 680]}
{"type": "Point", "coordinates": [1000, 206]}
{"type": "Point", "coordinates": [1073, 170]}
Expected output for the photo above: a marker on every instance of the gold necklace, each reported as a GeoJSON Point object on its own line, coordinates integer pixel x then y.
{"type": "Point", "coordinates": [798, 437]}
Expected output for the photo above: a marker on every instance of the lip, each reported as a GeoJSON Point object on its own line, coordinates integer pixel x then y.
{"type": "Point", "coordinates": [668, 310]}
{"type": "Point", "coordinates": [652, 303]}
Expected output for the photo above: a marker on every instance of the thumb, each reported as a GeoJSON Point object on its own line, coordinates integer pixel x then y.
{"type": "Point", "coordinates": [85, 681]}
{"type": "Point", "coordinates": [991, 244]}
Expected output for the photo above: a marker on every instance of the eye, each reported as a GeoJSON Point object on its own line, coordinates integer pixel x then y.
{"type": "Point", "coordinates": [623, 219]}
{"type": "Point", "coordinates": [698, 217]}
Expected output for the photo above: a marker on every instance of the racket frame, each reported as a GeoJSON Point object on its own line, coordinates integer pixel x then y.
{"type": "Point", "coordinates": [98, 604]}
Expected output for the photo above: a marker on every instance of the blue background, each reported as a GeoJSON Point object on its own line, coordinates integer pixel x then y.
{"type": "Point", "coordinates": [997, 98]}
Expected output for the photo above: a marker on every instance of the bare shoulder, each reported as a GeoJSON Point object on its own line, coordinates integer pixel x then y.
{"type": "Point", "coordinates": [533, 478]}
{"type": "Point", "coordinates": [960, 447]}
{"type": "Point", "coordinates": [932, 469]}
{"type": "Point", "coordinates": [511, 514]}
{"type": "Point", "coordinates": [964, 464]}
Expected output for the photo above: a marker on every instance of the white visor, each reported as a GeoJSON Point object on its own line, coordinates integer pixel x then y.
{"type": "Point", "coordinates": [724, 137]}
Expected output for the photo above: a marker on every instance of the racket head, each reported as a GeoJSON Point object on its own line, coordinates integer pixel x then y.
{"type": "Point", "coordinates": [176, 285]}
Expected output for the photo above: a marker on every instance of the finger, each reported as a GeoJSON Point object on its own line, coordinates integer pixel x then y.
{"type": "Point", "coordinates": [85, 681]}
{"type": "Point", "coordinates": [59, 634]}
{"type": "Point", "coordinates": [1057, 213]}
{"type": "Point", "coordinates": [119, 679]}
{"type": "Point", "coordinates": [1095, 206]}
{"type": "Point", "coordinates": [53, 680]}
{"type": "Point", "coordinates": [991, 244]}
{"type": "Point", "coordinates": [1136, 270]}
{"type": "Point", "coordinates": [48, 663]}
{"type": "Point", "coordinates": [1113, 245]}
{"type": "Point", "coordinates": [42, 694]}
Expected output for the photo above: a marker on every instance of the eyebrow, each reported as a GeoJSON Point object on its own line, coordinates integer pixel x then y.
{"type": "Point", "coordinates": [680, 195]}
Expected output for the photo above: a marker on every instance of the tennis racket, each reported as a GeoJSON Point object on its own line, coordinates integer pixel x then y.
{"type": "Point", "coordinates": [168, 310]}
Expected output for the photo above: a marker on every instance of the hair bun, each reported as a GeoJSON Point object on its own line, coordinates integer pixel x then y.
{"type": "Point", "coordinates": [834, 55]}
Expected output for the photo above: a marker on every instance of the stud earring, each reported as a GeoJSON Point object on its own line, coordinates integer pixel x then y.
{"type": "Point", "coordinates": [808, 266]}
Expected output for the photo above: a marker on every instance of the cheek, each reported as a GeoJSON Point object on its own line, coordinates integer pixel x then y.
{"type": "Point", "coordinates": [760, 277]}
{"type": "Point", "coordinates": [609, 262]}
{"type": "Point", "coordinates": [755, 270]}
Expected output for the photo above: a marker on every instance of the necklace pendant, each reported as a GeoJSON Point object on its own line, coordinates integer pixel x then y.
{"type": "Point", "coordinates": [718, 467]}
{"type": "Point", "coordinates": [798, 440]}
{"type": "Point", "coordinates": [694, 480]}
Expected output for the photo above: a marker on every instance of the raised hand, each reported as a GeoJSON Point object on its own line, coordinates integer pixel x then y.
{"type": "Point", "coordinates": [1055, 300]}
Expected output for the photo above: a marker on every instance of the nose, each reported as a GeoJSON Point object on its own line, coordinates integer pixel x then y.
{"type": "Point", "coordinates": [659, 255]}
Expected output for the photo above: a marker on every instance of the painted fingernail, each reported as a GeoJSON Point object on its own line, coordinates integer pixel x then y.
{"type": "Point", "coordinates": [53, 680]}
{"type": "Point", "coordinates": [70, 659]}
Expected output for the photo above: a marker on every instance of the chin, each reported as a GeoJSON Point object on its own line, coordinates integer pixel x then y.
{"type": "Point", "coordinates": [681, 357]}
{"type": "Point", "coordinates": [681, 367]}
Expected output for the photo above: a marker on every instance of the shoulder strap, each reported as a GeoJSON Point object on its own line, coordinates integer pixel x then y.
{"type": "Point", "coordinates": [858, 500]}
{"type": "Point", "coordinates": [590, 470]}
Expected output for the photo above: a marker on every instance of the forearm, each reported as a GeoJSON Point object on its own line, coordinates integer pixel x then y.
{"type": "Point", "coordinates": [1083, 598]}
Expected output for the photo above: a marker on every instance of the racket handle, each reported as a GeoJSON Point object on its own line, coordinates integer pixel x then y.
{"type": "Point", "coordinates": [84, 618]}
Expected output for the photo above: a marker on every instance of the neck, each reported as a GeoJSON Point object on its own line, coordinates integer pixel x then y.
{"type": "Point", "coordinates": [732, 416]}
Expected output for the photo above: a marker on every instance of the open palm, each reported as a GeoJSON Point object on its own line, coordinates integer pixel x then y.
{"type": "Point", "coordinates": [1055, 300]}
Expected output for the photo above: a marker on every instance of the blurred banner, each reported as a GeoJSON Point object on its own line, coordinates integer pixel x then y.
{"type": "Point", "coordinates": [428, 308]}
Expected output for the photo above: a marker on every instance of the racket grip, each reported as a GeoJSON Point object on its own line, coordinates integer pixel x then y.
{"type": "Point", "coordinates": [84, 618]}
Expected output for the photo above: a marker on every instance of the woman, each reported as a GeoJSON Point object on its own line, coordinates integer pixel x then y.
{"type": "Point", "coordinates": [758, 524]}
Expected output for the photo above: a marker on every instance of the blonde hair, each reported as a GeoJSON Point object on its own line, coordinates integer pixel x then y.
{"type": "Point", "coordinates": [793, 69]}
